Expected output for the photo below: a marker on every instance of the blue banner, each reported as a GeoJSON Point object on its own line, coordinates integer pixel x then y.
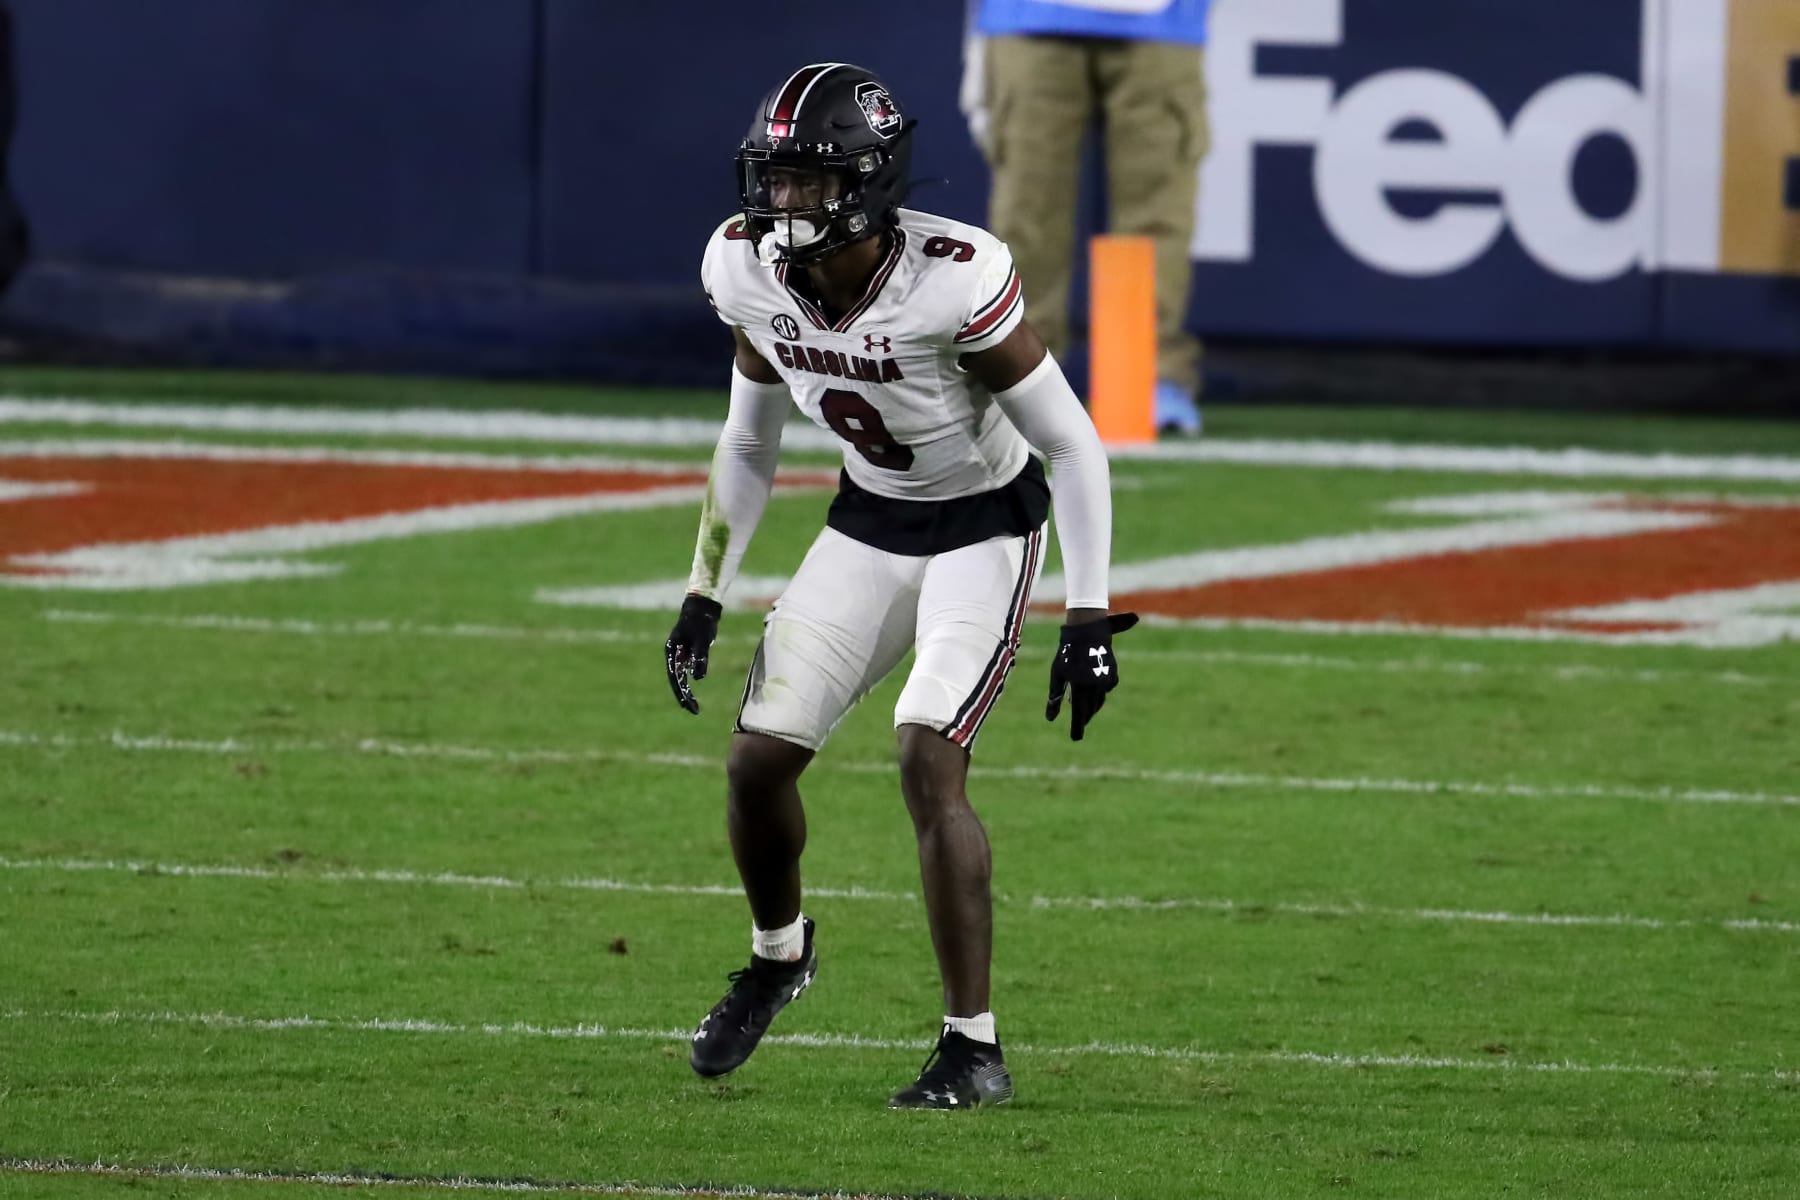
{"type": "Point", "coordinates": [1620, 173]}
{"type": "Point", "coordinates": [1494, 171]}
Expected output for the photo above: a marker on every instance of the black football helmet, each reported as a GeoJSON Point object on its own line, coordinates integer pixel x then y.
{"type": "Point", "coordinates": [841, 123]}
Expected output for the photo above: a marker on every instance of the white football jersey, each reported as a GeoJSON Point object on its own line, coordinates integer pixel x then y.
{"type": "Point", "coordinates": [884, 377]}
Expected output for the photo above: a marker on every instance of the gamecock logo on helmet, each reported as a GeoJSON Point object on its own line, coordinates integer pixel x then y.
{"type": "Point", "coordinates": [878, 108]}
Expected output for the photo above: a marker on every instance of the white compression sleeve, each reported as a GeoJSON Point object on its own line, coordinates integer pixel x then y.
{"type": "Point", "coordinates": [1043, 407]}
{"type": "Point", "coordinates": [743, 474]}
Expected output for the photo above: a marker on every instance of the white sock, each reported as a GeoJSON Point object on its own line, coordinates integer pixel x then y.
{"type": "Point", "coordinates": [786, 944]}
{"type": "Point", "coordinates": [978, 1028]}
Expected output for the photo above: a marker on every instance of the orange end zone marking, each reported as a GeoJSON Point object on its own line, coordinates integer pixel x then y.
{"type": "Point", "coordinates": [1518, 585]}
{"type": "Point", "coordinates": [153, 499]}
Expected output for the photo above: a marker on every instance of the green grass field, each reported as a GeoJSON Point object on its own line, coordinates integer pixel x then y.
{"type": "Point", "coordinates": [392, 877]}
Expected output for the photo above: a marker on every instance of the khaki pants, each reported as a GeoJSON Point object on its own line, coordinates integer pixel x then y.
{"type": "Point", "coordinates": [1039, 94]}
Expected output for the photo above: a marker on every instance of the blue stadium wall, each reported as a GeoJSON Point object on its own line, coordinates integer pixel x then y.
{"type": "Point", "coordinates": [524, 186]}
{"type": "Point", "coordinates": [519, 186]}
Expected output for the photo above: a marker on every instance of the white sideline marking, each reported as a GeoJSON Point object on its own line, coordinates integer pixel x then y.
{"type": "Point", "coordinates": [1767, 612]}
{"type": "Point", "coordinates": [1446, 666]}
{"type": "Point", "coordinates": [382, 627]}
{"type": "Point", "coordinates": [1741, 634]}
{"type": "Point", "coordinates": [749, 593]}
{"type": "Point", "coordinates": [1224, 779]}
{"type": "Point", "coordinates": [451, 1183]}
{"type": "Point", "coordinates": [437, 878]}
{"type": "Point", "coordinates": [256, 553]}
{"type": "Point", "coordinates": [1572, 463]}
{"type": "Point", "coordinates": [493, 426]}
{"type": "Point", "coordinates": [1492, 521]}
{"type": "Point", "coordinates": [372, 627]}
{"type": "Point", "coordinates": [1217, 779]}
{"type": "Point", "coordinates": [646, 431]}
{"type": "Point", "coordinates": [13, 490]}
{"type": "Point", "coordinates": [1615, 920]}
{"type": "Point", "coordinates": [1578, 517]}
{"type": "Point", "coordinates": [1740, 618]}
{"type": "Point", "coordinates": [217, 452]}
{"type": "Point", "coordinates": [1094, 903]}
{"type": "Point", "coordinates": [833, 1041]}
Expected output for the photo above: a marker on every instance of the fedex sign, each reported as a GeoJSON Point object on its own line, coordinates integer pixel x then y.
{"type": "Point", "coordinates": [1415, 170]}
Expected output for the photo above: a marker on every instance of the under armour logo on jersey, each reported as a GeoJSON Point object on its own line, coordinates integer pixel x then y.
{"type": "Point", "coordinates": [786, 326]}
{"type": "Point", "coordinates": [1101, 666]}
{"type": "Point", "coordinates": [873, 342]}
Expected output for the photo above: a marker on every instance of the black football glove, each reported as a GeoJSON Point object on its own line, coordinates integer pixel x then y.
{"type": "Point", "coordinates": [1086, 667]}
{"type": "Point", "coordinates": [685, 652]}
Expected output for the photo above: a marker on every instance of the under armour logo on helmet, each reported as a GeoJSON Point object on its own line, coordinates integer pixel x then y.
{"type": "Point", "coordinates": [873, 342]}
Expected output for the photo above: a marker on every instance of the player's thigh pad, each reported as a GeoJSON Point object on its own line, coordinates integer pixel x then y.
{"type": "Point", "coordinates": [843, 623]}
{"type": "Point", "coordinates": [971, 613]}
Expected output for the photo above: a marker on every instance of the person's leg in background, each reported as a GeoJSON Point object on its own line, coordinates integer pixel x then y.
{"type": "Point", "coordinates": [1153, 98]}
{"type": "Point", "coordinates": [1039, 93]}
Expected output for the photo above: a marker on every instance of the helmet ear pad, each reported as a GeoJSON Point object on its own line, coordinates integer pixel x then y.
{"type": "Point", "coordinates": [884, 189]}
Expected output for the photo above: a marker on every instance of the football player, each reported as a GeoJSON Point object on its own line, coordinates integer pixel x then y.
{"type": "Point", "coordinates": [903, 333]}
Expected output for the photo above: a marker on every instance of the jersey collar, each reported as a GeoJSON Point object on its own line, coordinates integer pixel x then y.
{"type": "Point", "coordinates": [896, 248]}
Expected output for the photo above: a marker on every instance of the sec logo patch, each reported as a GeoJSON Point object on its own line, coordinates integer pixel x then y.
{"type": "Point", "coordinates": [786, 326]}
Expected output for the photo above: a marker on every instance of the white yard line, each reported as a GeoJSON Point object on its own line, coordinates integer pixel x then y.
{"type": "Point", "coordinates": [1582, 518]}
{"type": "Point", "coordinates": [216, 452]}
{"type": "Point", "coordinates": [424, 878]}
{"type": "Point", "coordinates": [447, 424]}
{"type": "Point", "coordinates": [1740, 638]}
{"type": "Point", "coordinates": [1089, 903]}
{"type": "Point", "coordinates": [372, 627]}
{"type": "Point", "coordinates": [1562, 672]}
{"type": "Point", "coordinates": [1554, 920]}
{"type": "Point", "coordinates": [1571, 463]}
{"type": "Point", "coordinates": [382, 627]}
{"type": "Point", "coordinates": [646, 431]}
{"type": "Point", "coordinates": [856, 1041]}
{"type": "Point", "coordinates": [1740, 617]}
{"type": "Point", "coordinates": [264, 552]}
{"type": "Point", "coordinates": [12, 490]}
{"type": "Point", "coordinates": [450, 752]}
{"type": "Point", "coordinates": [1361, 784]}
{"type": "Point", "coordinates": [448, 1183]}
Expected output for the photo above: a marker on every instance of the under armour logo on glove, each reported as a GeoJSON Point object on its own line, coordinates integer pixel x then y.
{"type": "Point", "coordinates": [1085, 668]}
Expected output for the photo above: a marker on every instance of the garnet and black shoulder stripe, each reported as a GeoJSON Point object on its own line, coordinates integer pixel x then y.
{"type": "Point", "coordinates": [990, 315]}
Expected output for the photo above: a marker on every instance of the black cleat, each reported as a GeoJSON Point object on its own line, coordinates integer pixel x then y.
{"type": "Point", "coordinates": [736, 1023]}
{"type": "Point", "coordinates": [961, 1073]}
